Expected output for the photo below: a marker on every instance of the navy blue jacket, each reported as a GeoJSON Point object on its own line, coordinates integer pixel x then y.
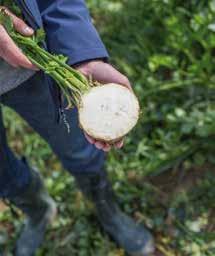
{"type": "Point", "coordinates": [68, 28]}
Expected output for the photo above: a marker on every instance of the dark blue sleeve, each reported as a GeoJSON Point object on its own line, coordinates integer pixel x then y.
{"type": "Point", "coordinates": [70, 31]}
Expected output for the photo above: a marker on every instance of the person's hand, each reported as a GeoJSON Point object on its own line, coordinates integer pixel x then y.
{"type": "Point", "coordinates": [103, 73]}
{"type": "Point", "coordinates": [8, 49]}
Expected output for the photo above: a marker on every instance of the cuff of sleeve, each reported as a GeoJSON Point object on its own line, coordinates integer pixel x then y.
{"type": "Point", "coordinates": [84, 55]}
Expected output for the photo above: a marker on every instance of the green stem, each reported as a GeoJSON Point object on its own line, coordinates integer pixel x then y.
{"type": "Point", "coordinates": [71, 82]}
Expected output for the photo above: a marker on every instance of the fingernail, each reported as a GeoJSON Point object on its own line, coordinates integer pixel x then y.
{"type": "Point", "coordinates": [28, 30]}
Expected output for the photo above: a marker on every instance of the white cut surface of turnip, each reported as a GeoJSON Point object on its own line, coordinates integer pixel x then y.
{"type": "Point", "coordinates": [108, 112]}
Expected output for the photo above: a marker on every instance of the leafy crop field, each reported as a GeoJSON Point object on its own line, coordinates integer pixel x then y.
{"type": "Point", "coordinates": [164, 176]}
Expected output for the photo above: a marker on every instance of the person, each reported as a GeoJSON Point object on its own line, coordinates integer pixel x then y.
{"type": "Point", "coordinates": [69, 31]}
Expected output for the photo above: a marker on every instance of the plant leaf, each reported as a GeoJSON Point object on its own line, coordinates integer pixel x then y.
{"type": "Point", "coordinates": [61, 58]}
{"type": "Point", "coordinates": [40, 35]}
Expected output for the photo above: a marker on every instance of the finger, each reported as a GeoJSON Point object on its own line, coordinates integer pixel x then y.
{"type": "Point", "coordinates": [119, 144]}
{"type": "Point", "coordinates": [104, 73]}
{"type": "Point", "coordinates": [107, 148]}
{"type": "Point", "coordinates": [90, 139]}
{"type": "Point", "coordinates": [11, 53]}
{"type": "Point", "coordinates": [99, 144]}
{"type": "Point", "coordinates": [19, 25]}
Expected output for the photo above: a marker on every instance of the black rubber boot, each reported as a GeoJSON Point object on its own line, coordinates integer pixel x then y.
{"type": "Point", "coordinates": [133, 238]}
{"type": "Point", "coordinates": [40, 210]}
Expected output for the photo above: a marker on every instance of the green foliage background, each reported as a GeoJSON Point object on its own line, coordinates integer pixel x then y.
{"type": "Point", "coordinates": [164, 175]}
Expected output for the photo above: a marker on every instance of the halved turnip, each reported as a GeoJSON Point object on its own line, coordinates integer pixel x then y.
{"type": "Point", "coordinates": [108, 112]}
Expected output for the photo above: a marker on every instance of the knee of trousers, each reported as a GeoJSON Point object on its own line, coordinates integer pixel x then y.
{"type": "Point", "coordinates": [86, 160]}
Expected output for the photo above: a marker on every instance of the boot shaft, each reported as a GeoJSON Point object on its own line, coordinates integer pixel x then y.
{"type": "Point", "coordinates": [135, 239]}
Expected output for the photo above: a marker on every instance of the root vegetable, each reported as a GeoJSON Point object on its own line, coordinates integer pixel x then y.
{"type": "Point", "coordinates": [108, 112]}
